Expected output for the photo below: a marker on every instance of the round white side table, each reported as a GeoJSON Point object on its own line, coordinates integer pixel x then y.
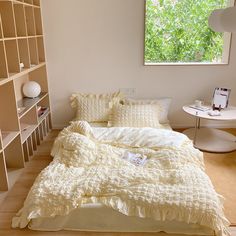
{"type": "Point", "coordinates": [210, 139]}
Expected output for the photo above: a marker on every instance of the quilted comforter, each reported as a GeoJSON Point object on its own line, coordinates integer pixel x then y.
{"type": "Point", "coordinates": [88, 167]}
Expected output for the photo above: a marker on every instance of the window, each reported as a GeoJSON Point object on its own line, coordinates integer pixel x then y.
{"type": "Point", "coordinates": [176, 31]}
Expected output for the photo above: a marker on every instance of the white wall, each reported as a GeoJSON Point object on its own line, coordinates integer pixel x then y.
{"type": "Point", "coordinates": [97, 46]}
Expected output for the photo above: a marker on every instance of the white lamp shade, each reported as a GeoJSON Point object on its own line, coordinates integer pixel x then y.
{"type": "Point", "coordinates": [223, 20]}
{"type": "Point", "coordinates": [31, 89]}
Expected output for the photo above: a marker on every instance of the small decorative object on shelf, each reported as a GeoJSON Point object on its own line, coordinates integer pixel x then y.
{"type": "Point", "coordinates": [31, 89]}
{"type": "Point", "coordinates": [220, 98]}
{"type": "Point", "coordinates": [20, 109]}
{"type": "Point", "coordinates": [42, 110]}
{"type": "Point", "coordinates": [22, 66]}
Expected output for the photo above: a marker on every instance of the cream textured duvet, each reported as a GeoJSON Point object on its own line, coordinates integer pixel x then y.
{"type": "Point", "coordinates": [88, 168]}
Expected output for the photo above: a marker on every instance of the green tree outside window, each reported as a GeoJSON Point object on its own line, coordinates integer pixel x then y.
{"type": "Point", "coordinates": [177, 31]}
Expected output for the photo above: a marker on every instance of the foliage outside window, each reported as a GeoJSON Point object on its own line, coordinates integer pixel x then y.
{"type": "Point", "coordinates": [176, 31]}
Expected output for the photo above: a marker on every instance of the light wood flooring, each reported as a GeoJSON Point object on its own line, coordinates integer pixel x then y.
{"type": "Point", "coordinates": [15, 198]}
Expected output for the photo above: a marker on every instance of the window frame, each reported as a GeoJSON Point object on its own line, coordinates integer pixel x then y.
{"type": "Point", "coordinates": [226, 55]}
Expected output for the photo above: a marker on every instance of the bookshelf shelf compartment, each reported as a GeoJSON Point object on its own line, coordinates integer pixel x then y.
{"type": "Point", "coordinates": [24, 52]}
{"type": "Point", "coordinates": [34, 60]}
{"type": "Point", "coordinates": [36, 2]}
{"type": "Point", "coordinates": [20, 20]}
{"type": "Point", "coordinates": [43, 115]}
{"type": "Point", "coordinates": [29, 13]}
{"type": "Point", "coordinates": [1, 144]}
{"type": "Point", "coordinates": [1, 32]}
{"type": "Point", "coordinates": [8, 121]}
{"type": "Point", "coordinates": [29, 2]}
{"type": "Point", "coordinates": [3, 173]}
{"type": "Point", "coordinates": [29, 103]}
{"type": "Point", "coordinates": [3, 63]}
{"type": "Point", "coordinates": [28, 123]}
{"type": "Point", "coordinates": [8, 137]}
{"type": "Point", "coordinates": [38, 21]}
{"type": "Point", "coordinates": [27, 132]}
{"type": "Point", "coordinates": [8, 19]}
{"type": "Point", "coordinates": [13, 160]}
{"type": "Point", "coordinates": [41, 53]}
{"type": "Point", "coordinates": [12, 56]}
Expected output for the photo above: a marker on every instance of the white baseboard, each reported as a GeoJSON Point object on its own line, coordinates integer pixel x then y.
{"type": "Point", "coordinates": [58, 127]}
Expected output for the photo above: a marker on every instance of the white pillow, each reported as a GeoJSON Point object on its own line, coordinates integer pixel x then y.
{"type": "Point", "coordinates": [134, 116]}
{"type": "Point", "coordinates": [163, 103]}
{"type": "Point", "coordinates": [94, 107]}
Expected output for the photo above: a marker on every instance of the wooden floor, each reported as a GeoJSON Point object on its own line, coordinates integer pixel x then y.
{"type": "Point", "coordinates": [15, 198]}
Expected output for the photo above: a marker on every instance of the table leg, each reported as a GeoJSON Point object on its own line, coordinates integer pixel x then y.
{"type": "Point", "coordinates": [199, 123]}
{"type": "Point", "coordinates": [197, 126]}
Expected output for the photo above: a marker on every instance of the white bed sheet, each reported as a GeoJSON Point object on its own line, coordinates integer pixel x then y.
{"type": "Point", "coordinates": [97, 217]}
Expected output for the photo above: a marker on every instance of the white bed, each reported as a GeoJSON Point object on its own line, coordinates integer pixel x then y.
{"type": "Point", "coordinates": [102, 218]}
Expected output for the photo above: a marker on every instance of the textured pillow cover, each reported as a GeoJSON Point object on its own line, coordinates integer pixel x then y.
{"type": "Point", "coordinates": [94, 107]}
{"type": "Point", "coordinates": [163, 104]}
{"type": "Point", "coordinates": [134, 116]}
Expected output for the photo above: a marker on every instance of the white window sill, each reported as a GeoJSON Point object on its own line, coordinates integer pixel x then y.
{"type": "Point", "coordinates": [186, 64]}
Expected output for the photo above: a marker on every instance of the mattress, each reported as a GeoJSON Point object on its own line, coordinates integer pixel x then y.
{"type": "Point", "coordinates": [97, 217]}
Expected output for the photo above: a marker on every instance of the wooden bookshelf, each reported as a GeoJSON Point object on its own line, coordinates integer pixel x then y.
{"type": "Point", "coordinates": [23, 125]}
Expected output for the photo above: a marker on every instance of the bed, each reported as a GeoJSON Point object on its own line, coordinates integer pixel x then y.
{"type": "Point", "coordinates": [60, 199]}
{"type": "Point", "coordinates": [91, 185]}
